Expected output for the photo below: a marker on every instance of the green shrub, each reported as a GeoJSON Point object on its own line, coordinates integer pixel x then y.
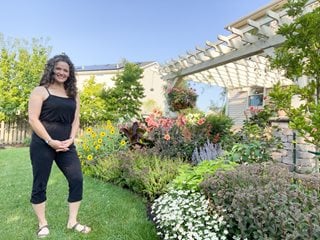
{"type": "Point", "coordinates": [190, 177]}
{"type": "Point", "coordinates": [251, 152]}
{"type": "Point", "coordinates": [219, 126]}
{"type": "Point", "coordinates": [108, 169]}
{"type": "Point", "coordinates": [27, 141]}
{"type": "Point", "coordinates": [266, 201]}
{"type": "Point", "coordinates": [184, 214]}
{"type": "Point", "coordinates": [148, 174]}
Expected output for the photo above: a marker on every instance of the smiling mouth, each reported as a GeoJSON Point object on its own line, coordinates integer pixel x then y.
{"type": "Point", "coordinates": [60, 76]}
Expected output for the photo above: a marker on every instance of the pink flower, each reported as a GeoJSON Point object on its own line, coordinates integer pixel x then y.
{"type": "Point", "coordinates": [166, 137]}
{"type": "Point", "coordinates": [181, 121]}
{"type": "Point", "coordinates": [201, 121]}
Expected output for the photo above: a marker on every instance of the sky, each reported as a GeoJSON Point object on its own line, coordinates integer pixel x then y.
{"type": "Point", "coordinates": [94, 32]}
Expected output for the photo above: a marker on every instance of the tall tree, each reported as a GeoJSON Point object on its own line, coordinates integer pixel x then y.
{"type": "Point", "coordinates": [21, 65]}
{"type": "Point", "coordinates": [124, 100]}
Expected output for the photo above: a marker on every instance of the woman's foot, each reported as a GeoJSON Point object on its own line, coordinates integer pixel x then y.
{"type": "Point", "coordinates": [80, 228]}
{"type": "Point", "coordinates": [43, 231]}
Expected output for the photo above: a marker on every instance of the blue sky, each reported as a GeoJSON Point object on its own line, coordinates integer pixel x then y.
{"type": "Point", "coordinates": [95, 32]}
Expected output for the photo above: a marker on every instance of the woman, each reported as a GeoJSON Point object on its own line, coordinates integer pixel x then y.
{"type": "Point", "coordinates": [54, 119]}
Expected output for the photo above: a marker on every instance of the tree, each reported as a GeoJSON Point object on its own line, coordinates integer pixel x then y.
{"type": "Point", "coordinates": [93, 103]}
{"type": "Point", "coordinates": [299, 56]}
{"type": "Point", "coordinates": [124, 100]}
{"type": "Point", "coordinates": [21, 65]}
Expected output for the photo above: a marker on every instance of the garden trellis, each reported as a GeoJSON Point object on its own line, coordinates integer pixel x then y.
{"type": "Point", "coordinates": [241, 58]}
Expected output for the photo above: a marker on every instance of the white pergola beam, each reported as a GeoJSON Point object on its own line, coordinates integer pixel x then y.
{"type": "Point", "coordinates": [244, 52]}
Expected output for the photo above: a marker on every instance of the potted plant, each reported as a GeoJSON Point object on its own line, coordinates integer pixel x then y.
{"type": "Point", "coordinates": [180, 98]}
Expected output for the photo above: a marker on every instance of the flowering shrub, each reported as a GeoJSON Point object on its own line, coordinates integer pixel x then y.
{"type": "Point", "coordinates": [98, 142]}
{"type": "Point", "coordinates": [185, 214]}
{"type": "Point", "coordinates": [176, 137]}
{"type": "Point", "coordinates": [181, 98]}
{"type": "Point", "coordinates": [146, 174]}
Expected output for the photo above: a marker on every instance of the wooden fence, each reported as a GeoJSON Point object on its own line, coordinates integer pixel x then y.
{"type": "Point", "coordinates": [14, 133]}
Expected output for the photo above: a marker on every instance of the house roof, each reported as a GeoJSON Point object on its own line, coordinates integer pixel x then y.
{"type": "Point", "coordinates": [105, 67]}
{"type": "Point", "coordinates": [240, 59]}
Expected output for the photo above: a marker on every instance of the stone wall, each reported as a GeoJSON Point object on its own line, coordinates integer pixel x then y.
{"type": "Point", "coordinates": [305, 161]}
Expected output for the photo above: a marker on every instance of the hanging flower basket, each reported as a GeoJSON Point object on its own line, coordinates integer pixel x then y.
{"type": "Point", "coordinates": [181, 98]}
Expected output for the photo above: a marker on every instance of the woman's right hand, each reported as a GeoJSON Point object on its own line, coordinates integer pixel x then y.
{"type": "Point", "coordinates": [59, 146]}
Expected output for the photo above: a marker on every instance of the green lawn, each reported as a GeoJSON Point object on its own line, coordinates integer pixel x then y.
{"type": "Point", "coordinates": [113, 213]}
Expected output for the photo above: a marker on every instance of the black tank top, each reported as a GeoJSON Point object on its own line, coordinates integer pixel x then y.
{"type": "Point", "coordinates": [58, 109]}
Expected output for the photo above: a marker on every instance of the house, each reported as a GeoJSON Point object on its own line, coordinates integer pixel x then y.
{"type": "Point", "coordinates": [152, 82]}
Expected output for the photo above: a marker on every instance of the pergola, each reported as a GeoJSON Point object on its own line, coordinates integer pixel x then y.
{"type": "Point", "coordinates": [240, 59]}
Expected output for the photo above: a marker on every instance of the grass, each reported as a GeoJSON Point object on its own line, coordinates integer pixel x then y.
{"type": "Point", "coordinates": [113, 213]}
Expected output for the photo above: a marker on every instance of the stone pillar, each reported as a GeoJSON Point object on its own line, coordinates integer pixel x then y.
{"type": "Point", "coordinates": [305, 161]}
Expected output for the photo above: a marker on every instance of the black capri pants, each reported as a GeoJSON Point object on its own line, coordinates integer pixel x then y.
{"type": "Point", "coordinates": [42, 157]}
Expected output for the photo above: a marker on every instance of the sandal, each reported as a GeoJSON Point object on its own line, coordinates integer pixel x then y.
{"type": "Point", "coordinates": [43, 231]}
{"type": "Point", "coordinates": [80, 228]}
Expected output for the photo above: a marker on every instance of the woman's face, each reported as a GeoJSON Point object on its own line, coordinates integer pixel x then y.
{"type": "Point", "coordinates": [61, 72]}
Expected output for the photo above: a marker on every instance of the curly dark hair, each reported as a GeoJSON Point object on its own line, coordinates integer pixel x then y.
{"type": "Point", "coordinates": [48, 75]}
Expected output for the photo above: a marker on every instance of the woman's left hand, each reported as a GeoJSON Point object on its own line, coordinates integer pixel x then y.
{"type": "Point", "coordinates": [67, 143]}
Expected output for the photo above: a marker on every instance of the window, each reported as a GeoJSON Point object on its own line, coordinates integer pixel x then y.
{"type": "Point", "coordinates": [256, 96]}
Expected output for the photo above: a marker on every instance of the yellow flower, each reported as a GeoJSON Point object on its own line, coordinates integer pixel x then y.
{"type": "Point", "coordinates": [89, 157]}
{"type": "Point", "coordinates": [109, 125]}
{"type": "Point", "coordinates": [99, 140]}
{"type": "Point", "coordinates": [89, 130]}
{"type": "Point", "coordinates": [102, 134]}
{"type": "Point", "coordinates": [123, 142]}
{"type": "Point", "coordinates": [97, 147]}
{"type": "Point", "coordinates": [112, 131]}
